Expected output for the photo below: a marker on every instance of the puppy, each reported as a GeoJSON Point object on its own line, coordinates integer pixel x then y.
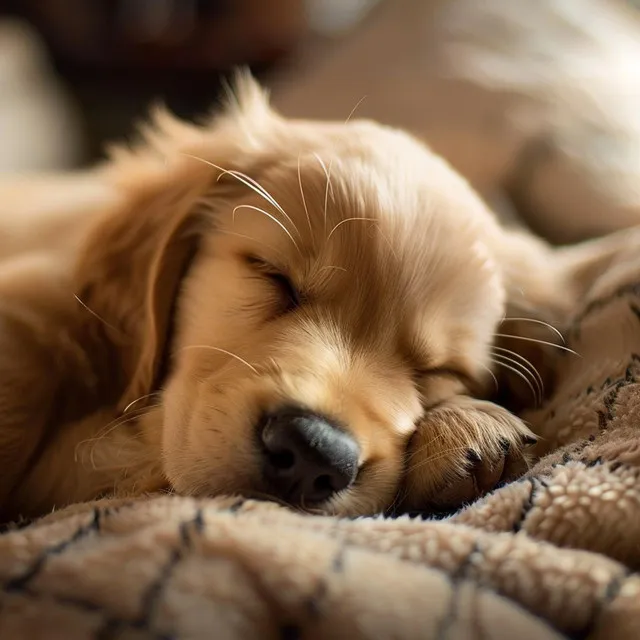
{"type": "Point", "coordinates": [262, 307]}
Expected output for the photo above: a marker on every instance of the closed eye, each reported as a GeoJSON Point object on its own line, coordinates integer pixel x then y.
{"type": "Point", "coordinates": [421, 375]}
{"type": "Point", "coordinates": [290, 297]}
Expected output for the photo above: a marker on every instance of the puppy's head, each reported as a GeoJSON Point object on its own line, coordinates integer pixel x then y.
{"type": "Point", "coordinates": [339, 283]}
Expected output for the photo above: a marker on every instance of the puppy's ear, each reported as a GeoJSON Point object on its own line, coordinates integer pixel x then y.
{"type": "Point", "coordinates": [129, 275]}
{"type": "Point", "coordinates": [133, 262]}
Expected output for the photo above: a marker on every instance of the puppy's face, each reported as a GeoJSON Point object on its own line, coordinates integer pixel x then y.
{"type": "Point", "coordinates": [342, 286]}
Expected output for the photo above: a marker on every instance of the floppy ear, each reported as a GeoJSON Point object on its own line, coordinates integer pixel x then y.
{"type": "Point", "coordinates": [129, 275]}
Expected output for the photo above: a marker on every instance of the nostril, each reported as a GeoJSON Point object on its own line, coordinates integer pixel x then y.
{"type": "Point", "coordinates": [283, 460]}
{"type": "Point", "coordinates": [323, 485]}
{"type": "Point", "coordinates": [307, 459]}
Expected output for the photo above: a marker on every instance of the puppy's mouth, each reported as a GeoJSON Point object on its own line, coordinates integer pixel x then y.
{"type": "Point", "coordinates": [307, 459]}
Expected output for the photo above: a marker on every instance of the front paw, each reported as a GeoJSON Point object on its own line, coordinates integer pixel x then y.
{"type": "Point", "coordinates": [461, 450]}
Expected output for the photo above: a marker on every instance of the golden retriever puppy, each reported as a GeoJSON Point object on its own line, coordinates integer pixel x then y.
{"type": "Point", "coordinates": [263, 307]}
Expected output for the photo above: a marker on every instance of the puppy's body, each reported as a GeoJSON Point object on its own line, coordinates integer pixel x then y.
{"type": "Point", "coordinates": [179, 301]}
{"type": "Point", "coordinates": [49, 368]}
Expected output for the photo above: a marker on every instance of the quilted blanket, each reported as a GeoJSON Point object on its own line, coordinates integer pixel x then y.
{"type": "Point", "coordinates": [553, 554]}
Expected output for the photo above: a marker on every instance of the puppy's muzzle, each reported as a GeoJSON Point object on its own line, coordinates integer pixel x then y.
{"type": "Point", "coordinates": [307, 459]}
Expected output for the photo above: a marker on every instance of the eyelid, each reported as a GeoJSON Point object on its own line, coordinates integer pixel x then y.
{"type": "Point", "coordinates": [267, 268]}
{"type": "Point", "coordinates": [278, 276]}
{"type": "Point", "coordinates": [450, 372]}
{"type": "Point", "coordinates": [258, 263]}
{"type": "Point", "coordinates": [437, 371]}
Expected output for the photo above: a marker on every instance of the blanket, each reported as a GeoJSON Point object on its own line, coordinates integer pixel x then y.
{"type": "Point", "coordinates": [553, 554]}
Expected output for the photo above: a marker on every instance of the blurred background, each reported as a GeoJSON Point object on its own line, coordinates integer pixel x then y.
{"type": "Point", "coordinates": [535, 102]}
{"type": "Point", "coordinates": [77, 73]}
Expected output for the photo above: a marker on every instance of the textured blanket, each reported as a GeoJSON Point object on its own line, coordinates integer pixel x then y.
{"type": "Point", "coordinates": [553, 554]}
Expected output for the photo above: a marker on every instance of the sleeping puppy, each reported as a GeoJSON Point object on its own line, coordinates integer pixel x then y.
{"type": "Point", "coordinates": [295, 310]}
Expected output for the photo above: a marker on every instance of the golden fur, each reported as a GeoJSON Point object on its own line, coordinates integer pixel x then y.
{"type": "Point", "coordinates": [142, 335]}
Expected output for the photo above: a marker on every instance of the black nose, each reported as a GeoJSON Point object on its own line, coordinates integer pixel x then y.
{"type": "Point", "coordinates": [307, 458]}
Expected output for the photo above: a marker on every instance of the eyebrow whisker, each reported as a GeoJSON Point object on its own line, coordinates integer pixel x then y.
{"type": "Point", "coordinates": [271, 217]}
{"type": "Point", "coordinates": [327, 173]}
{"type": "Point", "coordinates": [347, 220]}
{"type": "Point", "coordinates": [355, 108]}
{"type": "Point", "coordinates": [304, 203]}
{"type": "Point", "coordinates": [249, 182]}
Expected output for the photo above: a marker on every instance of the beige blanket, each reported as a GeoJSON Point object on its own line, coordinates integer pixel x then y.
{"type": "Point", "coordinates": [553, 553]}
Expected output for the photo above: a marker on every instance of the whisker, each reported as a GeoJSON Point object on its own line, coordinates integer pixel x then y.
{"type": "Point", "coordinates": [347, 220]}
{"type": "Point", "coordinates": [482, 366]}
{"type": "Point", "coordinates": [264, 193]}
{"type": "Point", "coordinates": [399, 498]}
{"type": "Point", "coordinates": [493, 376]}
{"type": "Point", "coordinates": [229, 353]}
{"type": "Point", "coordinates": [540, 322]}
{"type": "Point", "coordinates": [249, 182]}
{"type": "Point", "coordinates": [526, 365]}
{"type": "Point", "coordinates": [364, 97]}
{"type": "Point", "coordinates": [519, 373]}
{"type": "Point", "coordinates": [108, 429]}
{"type": "Point", "coordinates": [543, 342]}
{"type": "Point", "coordinates": [266, 213]}
{"type": "Point", "coordinates": [134, 402]}
{"type": "Point", "coordinates": [241, 177]}
{"type": "Point", "coordinates": [304, 203]}
{"type": "Point", "coordinates": [117, 421]}
{"type": "Point", "coordinates": [327, 173]}
{"type": "Point", "coordinates": [498, 358]}
{"type": "Point", "coordinates": [488, 370]}
{"type": "Point", "coordinates": [95, 315]}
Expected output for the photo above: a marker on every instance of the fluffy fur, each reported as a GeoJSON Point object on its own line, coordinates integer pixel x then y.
{"type": "Point", "coordinates": [145, 324]}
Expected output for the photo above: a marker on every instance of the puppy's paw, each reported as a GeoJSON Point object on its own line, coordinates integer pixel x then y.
{"type": "Point", "coordinates": [461, 450]}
